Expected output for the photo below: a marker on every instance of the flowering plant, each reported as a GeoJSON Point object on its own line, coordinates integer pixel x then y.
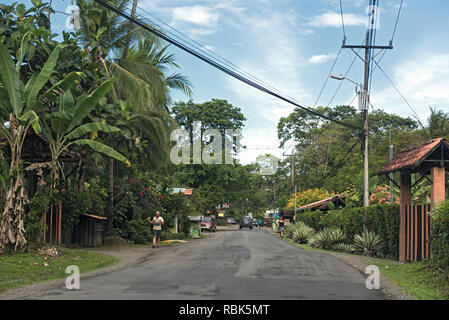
{"type": "Point", "coordinates": [382, 196]}
{"type": "Point", "coordinates": [308, 196]}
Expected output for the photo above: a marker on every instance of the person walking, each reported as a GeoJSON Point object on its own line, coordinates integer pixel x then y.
{"type": "Point", "coordinates": [157, 223]}
{"type": "Point", "coordinates": [281, 226]}
{"type": "Point", "coordinates": [260, 224]}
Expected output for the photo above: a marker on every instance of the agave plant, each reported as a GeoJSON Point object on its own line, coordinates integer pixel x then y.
{"type": "Point", "coordinates": [327, 238]}
{"type": "Point", "coordinates": [301, 233]}
{"type": "Point", "coordinates": [368, 243]}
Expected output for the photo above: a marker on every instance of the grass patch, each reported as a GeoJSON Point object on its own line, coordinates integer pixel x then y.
{"type": "Point", "coordinates": [416, 279]}
{"type": "Point", "coordinates": [21, 269]}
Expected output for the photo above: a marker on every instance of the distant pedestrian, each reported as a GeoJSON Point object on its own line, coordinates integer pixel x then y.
{"type": "Point", "coordinates": [281, 226]}
{"type": "Point", "coordinates": [260, 224]}
{"type": "Point", "coordinates": [157, 223]}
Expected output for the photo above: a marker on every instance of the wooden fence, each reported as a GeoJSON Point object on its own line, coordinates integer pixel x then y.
{"type": "Point", "coordinates": [417, 222]}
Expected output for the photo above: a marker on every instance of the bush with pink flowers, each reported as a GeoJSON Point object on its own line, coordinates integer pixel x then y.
{"type": "Point", "coordinates": [381, 195]}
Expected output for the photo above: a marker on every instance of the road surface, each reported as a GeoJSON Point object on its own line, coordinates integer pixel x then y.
{"type": "Point", "coordinates": [229, 265]}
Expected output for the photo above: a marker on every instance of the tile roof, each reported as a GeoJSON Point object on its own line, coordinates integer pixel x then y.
{"type": "Point", "coordinates": [411, 158]}
{"type": "Point", "coordinates": [322, 204]}
{"type": "Point", "coordinates": [95, 217]}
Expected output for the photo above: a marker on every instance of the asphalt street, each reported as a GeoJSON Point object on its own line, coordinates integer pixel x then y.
{"type": "Point", "coordinates": [231, 264]}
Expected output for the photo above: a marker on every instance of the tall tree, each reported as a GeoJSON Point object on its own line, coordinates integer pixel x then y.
{"type": "Point", "coordinates": [140, 80]}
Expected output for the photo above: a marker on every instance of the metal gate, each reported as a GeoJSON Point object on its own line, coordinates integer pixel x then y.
{"type": "Point", "coordinates": [417, 231]}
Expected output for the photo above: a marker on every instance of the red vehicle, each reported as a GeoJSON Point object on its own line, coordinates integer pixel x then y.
{"type": "Point", "coordinates": [208, 224]}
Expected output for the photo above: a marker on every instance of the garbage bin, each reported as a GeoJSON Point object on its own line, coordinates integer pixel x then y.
{"type": "Point", "coordinates": [195, 227]}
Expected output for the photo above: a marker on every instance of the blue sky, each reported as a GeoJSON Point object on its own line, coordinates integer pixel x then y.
{"type": "Point", "coordinates": [292, 44]}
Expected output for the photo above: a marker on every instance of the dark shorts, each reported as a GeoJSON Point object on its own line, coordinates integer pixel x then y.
{"type": "Point", "coordinates": [157, 233]}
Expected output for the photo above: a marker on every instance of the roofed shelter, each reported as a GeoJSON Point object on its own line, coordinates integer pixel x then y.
{"type": "Point", "coordinates": [430, 159]}
{"type": "Point", "coordinates": [323, 205]}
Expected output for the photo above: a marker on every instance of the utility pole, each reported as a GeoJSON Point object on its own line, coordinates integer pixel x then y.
{"type": "Point", "coordinates": [391, 174]}
{"type": "Point", "coordinates": [295, 205]}
{"type": "Point", "coordinates": [293, 168]}
{"type": "Point", "coordinates": [364, 98]}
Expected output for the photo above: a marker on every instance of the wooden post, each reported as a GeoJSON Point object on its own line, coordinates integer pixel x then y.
{"type": "Point", "coordinates": [438, 185]}
{"type": "Point", "coordinates": [59, 222]}
{"type": "Point", "coordinates": [405, 200]}
{"type": "Point", "coordinates": [45, 226]}
{"type": "Point", "coordinates": [51, 225]}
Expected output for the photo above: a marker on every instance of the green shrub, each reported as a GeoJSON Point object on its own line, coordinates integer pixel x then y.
{"type": "Point", "coordinates": [139, 232]}
{"type": "Point", "coordinates": [327, 238]}
{"type": "Point", "coordinates": [384, 220]}
{"type": "Point", "coordinates": [350, 220]}
{"type": "Point", "coordinates": [36, 208]}
{"type": "Point", "coordinates": [311, 218]}
{"type": "Point", "coordinates": [301, 233]}
{"type": "Point", "coordinates": [368, 243]}
{"type": "Point", "coordinates": [439, 239]}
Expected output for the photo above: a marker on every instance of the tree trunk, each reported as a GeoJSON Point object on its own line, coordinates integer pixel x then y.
{"type": "Point", "coordinates": [81, 176]}
{"type": "Point", "coordinates": [110, 204]}
{"type": "Point", "coordinates": [12, 231]}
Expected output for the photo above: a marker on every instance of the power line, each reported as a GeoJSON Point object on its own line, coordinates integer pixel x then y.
{"type": "Point", "coordinates": [342, 20]}
{"type": "Point", "coordinates": [327, 78]}
{"type": "Point", "coordinates": [346, 74]}
{"type": "Point", "coordinates": [208, 52]}
{"type": "Point", "coordinates": [399, 92]}
{"type": "Point", "coordinates": [216, 64]}
{"type": "Point", "coordinates": [397, 20]}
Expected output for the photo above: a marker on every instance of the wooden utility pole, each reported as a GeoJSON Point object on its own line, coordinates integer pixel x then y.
{"type": "Point", "coordinates": [368, 46]}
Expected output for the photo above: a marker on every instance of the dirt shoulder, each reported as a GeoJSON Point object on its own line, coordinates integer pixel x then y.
{"type": "Point", "coordinates": [391, 291]}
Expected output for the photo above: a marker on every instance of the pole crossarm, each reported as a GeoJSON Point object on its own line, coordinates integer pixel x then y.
{"type": "Point", "coordinates": [389, 47]}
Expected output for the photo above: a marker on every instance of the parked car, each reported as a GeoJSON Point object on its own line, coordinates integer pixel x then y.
{"type": "Point", "coordinates": [208, 224]}
{"type": "Point", "coordinates": [266, 222]}
{"type": "Point", "coordinates": [231, 220]}
{"type": "Point", "coordinates": [255, 222]}
{"type": "Point", "coordinates": [246, 222]}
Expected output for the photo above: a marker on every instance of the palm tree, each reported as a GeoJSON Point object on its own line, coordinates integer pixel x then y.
{"type": "Point", "coordinates": [438, 124]}
{"type": "Point", "coordinates": [139, 73]}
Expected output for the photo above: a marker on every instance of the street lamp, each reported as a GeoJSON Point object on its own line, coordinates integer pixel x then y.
{"type": "Point", "coordinates": [363, 105]}
{"type": "Point", "coordinates": [341, 78]}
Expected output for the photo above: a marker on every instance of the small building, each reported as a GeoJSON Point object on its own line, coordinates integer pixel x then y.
{"type": "Point", "coordinates": [89, 231]}
{"type": "Point", "coordinates": [339, 201]}
{"type": "Point", "coordinates": [428, 161]}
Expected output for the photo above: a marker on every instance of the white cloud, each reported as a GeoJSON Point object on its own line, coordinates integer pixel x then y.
{"type": "Point", "coordinates": [424, 82]}
{"type": "Point", "coordinates": [333, 19]}
{"type": "Point", "coordinates": [321, 58]}
{"type": "Point", "coordinates": [199, 15]}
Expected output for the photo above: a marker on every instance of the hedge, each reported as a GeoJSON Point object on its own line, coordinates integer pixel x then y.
{"type": "Point", "coordinates": [381, 219]}
{"type": "Point", "coordinates": [439, 239]}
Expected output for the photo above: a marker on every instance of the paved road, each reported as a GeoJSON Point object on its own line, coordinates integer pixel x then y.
{"type": "Point", "coordinates": [229, 265]}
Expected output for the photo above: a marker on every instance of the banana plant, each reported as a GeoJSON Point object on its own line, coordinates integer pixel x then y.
{"type": "Point", "coordinates": [66, 126]}
{"type": "Point", "coordinates": [17, 116]}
